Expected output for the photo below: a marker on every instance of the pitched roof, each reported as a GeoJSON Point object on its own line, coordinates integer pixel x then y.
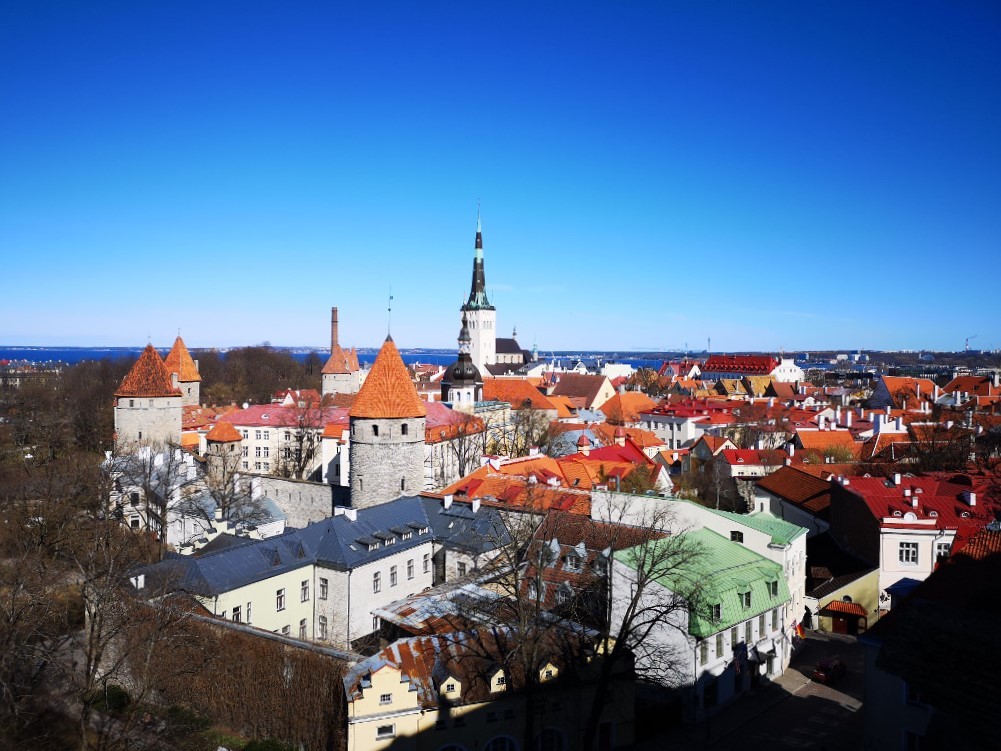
{"type": "Point", "coordinates": [799, 488]}
{"type": "Point", "coordinates": [626, 407]}
{"type": "Point", "coordinates": [179, 361]}
{"type": "Point", "coordinates": [517, 392]}
{"type": "Point", "coordinates": [149, 377]}
{"type": "Point", "coordinates": [339, 362]}
{"type": "Point", "coordinates": [388, 391]}
{"type": "Point", "coordinates": [580, 384]}
{"type": "Point", "coordinates": [743, 364]}
{"type": "Point", "coordinates": [224, 432]}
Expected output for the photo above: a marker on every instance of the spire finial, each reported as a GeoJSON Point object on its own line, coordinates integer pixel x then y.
{"type": "Point", "coordinates": [389, 314]}
{"type": "Point", "coordinates": [478, 226]}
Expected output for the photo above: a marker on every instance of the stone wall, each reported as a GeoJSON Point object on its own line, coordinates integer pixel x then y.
{"type": "Point", "coordinates": [387, 464]}
{"type": "Point", "coordinates": [302, 501]}
{"type": "Point", "coordinates": [156, 420]}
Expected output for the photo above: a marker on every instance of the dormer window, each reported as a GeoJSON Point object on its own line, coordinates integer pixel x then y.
{"type": "Point", "coordinates": [745, 599]}
{"type": "Point", "coordinates": [449, 688]}
{"type": "Point", "coordinates": [736, 536]}
{"type": "Point", "coordinates": [572, 562]}
{"type": "Point", "coordinates": [773, 588]}
{"type": "Point", "coordinates": [717, 612]}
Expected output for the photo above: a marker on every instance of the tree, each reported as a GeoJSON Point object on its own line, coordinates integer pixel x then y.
{"type": "Point", "coordinates": [299, 452]}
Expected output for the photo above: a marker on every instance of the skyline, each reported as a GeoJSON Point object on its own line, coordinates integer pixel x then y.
{"type": "Point", "coordinates": [651, 175]}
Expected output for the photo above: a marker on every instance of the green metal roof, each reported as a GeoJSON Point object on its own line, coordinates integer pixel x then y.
{"type": "Point", "coordinates": [781, 531]}
{"type": "Point", "coordinates": [719, 576]}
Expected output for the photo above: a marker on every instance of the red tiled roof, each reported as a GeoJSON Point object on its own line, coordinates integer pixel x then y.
{"type": "Point", "coordinates": [799, 488]}
{"type": "Point", "coordinates": [938, 500]}
{"type": "Point", "coordinates": [149, 377]}
{"type": "Point", "coordinates": [281, 416]}
{"type": "Point", "coordinates": [338, 363]}
{"type": "Point", "coordinates": [517, 392]}
{"type": "Point", "coordinates": [848, 608]}
{"type": "Point", "coordinates": [582, 385]}
{"type": "Point", "coordinates": [743, 364]}
{"type": "Point", "coordinates": [444, 424]}
{"type": "Point", "coordinates": [179, 361]}
{"type": "Point", "coordinates": [388, 392]}
{"type": "Point", "coordinates": [224, 432]}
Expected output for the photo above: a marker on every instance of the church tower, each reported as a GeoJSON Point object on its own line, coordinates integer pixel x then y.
{"type": "Point", "coordinates": [189, 380]}
{"type": "Point", "coordinates": [387, 422]}
{"type": "Point", "coordinates": [463, 385]}
{"type": "Point", "coordinates": [148, 403]}
{"type": "Point", "coordinates": [480, 316]}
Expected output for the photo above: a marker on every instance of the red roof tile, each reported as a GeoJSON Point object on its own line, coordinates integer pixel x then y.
{"type": "Point", "coordinates": [224, 432]}
{"type": "Point", "coordinates": [517, 392]}
{"type": "Point", "coordinates": [179, 361]}
{"type": "Point", "coordinates": [149, 377]}
{"type": "Point", "coordinates": [388, 391]}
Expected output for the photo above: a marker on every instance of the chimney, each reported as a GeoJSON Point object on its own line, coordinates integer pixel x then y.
{"type": "Point", "coordinates": [788, 461]}
{"type": "Point", "coordinates": [846, 482]}
{"type": "Point", "coordinates": [476, 505]}
{"type": "Point", "coordinates": [351, 514]}
{"type": "Point", "coordinates": [837, 415]}
{"type": "Point", "coordinates": [196, 366]}
{"type": "Point", "coordinates": [333, 329]}
{"type": "Point", "coordinates": [899, 424]}
{"type": "Point", "coordinates": [791, 449]}
{"type": "Point", "coordinates": [848, 419]}
{"type": "Point", "coordinates": [896, 478]}
{"type": "Point", "coordinates": [969, 498]}
{"type": "Point", "coordinates": [821, 420]}
{"type": "Point", "coordinates": [914, 501]}
{"type": "Point", "coordinates": [447, 501]}
{"type": "Point", "coordinates": [174, 380]}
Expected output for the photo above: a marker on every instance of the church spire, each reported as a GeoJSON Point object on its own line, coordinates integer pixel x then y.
{"type": "Point", "coordinates": [478, 289]}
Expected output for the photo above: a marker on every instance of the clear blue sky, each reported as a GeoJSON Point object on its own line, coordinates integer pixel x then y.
{"type": "Point", "coordinates": [800, 175]}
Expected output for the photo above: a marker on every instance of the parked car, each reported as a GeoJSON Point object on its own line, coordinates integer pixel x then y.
{"type": "Point", "coordinates": [829, 670]}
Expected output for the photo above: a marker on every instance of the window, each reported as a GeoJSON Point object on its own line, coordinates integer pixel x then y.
{"type": "Point", "coordinates": [775, 619]}
{"type": "Point", "coordinates": [501, 680]}
{"type": "Point", "coordinates": [748, 637]}
{"type": "Point", "coordinates": [719, 645]}
{"type": "Point", "coordinates": [286, 630]}
{"type": "Point", "coordinates": [703, 652]}
{"type": "Point", "coordinates": [733, 638]}
{"type": "Point", "coordinates": [449, 688]}
{"type": "Point", "coordinates": [246, 465]}
{"type": "Point", "coordinates": [573, 562]}
{"type": "Point", "coordinates": [280, 599]}
{"type": "Point", "coordinates": [267, 451]}
{"type": "Point", "coordinates": [392, 576]}
{"type": "Point", "coordinates": [736, 536]}
{"type": "Point", "coordinates": [236, 613]}
{"type": "Point", "coordinates": [461, 569]}
{"type": "Point", "coordinates": [302, 629]}
{"type": "Point", "coordinates": [385, 731]}
{"type": "Point", "coordinates": [304, 591]}
{"type": "Point", "coordinates": [288, 436]}
{"type": "Point", "coordinates": [385, 698]}
{"type": "Point", "coordinates": [717, 612]}
{"type": "Point", "coordinates": [562, 596]}
{"type": "Point", "coordinates": [908, 553]}
{"type": "Point", "coordinates": [745, 599]}
{"type": "Point", "coordinates": [410, 569]}
{"type": "Point", "coordinates": [376, 623]}
{"type": "Point", "coordinates": [248, 612]}
{"type": "Point", "coordinates": [322, 622]}
{"type": "Point", "coordinates": [257, 435]}
{"type": "Point", "coordinates": [375, 431]}
{"type": "Point", "coordinates": [377, 582]}
{"type": "Point", "coordinates": [773, 589]}
{"type": "Point", "coordinates": [324, 588]}
{"type": "Point", "coordinates": [245, 451]}
{"type": "Point", "coordinates": [404, 429]}
{"type": "Point", "coordinates": [427, 562]}
{"type": "Point", "coordinates": [257, 465]}
{"type": "Point", "coordinates": [403, 483]}
{"type": "Point", "coordinates": [223, 616]}
{"type": "Point", "coordinates": [942, 550]}
{"type": "Point", "coordinates": [257, 451]}
{"type": "Point", "coordinates": [761, 624]}
{"type": "Point", "coordinates": [267, 436]}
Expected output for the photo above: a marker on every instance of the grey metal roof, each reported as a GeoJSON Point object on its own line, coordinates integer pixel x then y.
{"type": "Point", "coordinates": [459, 528]}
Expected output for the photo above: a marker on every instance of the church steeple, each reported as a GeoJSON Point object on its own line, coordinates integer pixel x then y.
{"type": "Point", "coordinates": [478, 290]}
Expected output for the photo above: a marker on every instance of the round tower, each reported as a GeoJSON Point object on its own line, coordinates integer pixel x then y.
{"type": "Point", "coordinates": [387, 422]}
{"type": "Point", "coordinates": [223, 451]}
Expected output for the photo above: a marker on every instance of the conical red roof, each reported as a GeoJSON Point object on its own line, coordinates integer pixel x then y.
{"type": "Point", "coordinates": [388, 391]}
{"type": "Point", "coordinates": [224, 432]}
{"type": "Point", "coordinates": [338, 363]}
{"type": "Point", "coordinates": [179, 361]}
{"type": "Point", "coordinates": [149, 377]}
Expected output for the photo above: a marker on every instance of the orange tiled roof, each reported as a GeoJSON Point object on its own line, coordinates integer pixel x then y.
{"type": "Point", "coordinates": [149, 377]}
{"type": "Point", "coordinates": [179, 361]}
{"type": "Point", "coordinates": [388, 392]}
{"type": "Point", "coordinates": [517, 392]}
{"type": "Point", "coordinates": [224, 432]}
{"type": "Point", "coordinates": [339, 362]}
{"type": "Point", "coordinates": [640, 436]}
{"type": "Point", "coordinates": [819, 440]}
{"type": "Point", "coordinates": [626, 407]}
{"type": "Point", "coordinates": [564, 406]}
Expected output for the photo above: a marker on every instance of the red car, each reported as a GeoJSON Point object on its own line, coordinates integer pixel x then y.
{"type": "Point", "coordinates": [829, 670]}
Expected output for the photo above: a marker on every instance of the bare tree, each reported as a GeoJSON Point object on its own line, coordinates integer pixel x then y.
{"type": "Point", "coordinates": [302, 438]}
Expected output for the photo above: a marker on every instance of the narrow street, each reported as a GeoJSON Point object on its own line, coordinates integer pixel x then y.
{"type": "Point", "coordinates": [794, 712]}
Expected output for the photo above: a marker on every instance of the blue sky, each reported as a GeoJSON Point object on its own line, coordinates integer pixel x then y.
{"type": "Point", "coordinates": [770, 175]}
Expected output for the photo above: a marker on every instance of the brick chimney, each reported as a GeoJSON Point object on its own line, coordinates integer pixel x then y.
{"type": "Point", "coordinates": [333, 329]}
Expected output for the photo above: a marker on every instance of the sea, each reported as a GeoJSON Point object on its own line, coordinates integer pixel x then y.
{"type": "Point", "coordinates": [73, 355]}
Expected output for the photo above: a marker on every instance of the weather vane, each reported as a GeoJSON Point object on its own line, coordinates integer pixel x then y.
{"type": "Point", "coordinates": [389, 311]}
